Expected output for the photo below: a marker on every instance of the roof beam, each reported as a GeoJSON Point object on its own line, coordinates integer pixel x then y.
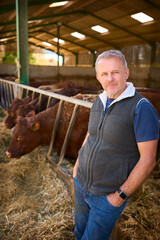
{"type": "Point", "coordinates": [152, 4]}
{"type": "Point", "coordinates": [9, 7]}
{"type": "Point", "coordinates": [45, 17]}
{"type": "Point", "coordinates": [119, 27]}
{"type": "Point", "coordinates": [65, 39]}
{"type": "Point", "coordinates": [98, 39]}
{"type": "Point", "coordinates": [42, 40]}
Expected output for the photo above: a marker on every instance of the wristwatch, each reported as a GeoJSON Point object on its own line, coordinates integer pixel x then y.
{"type": "Point", "coordinates": [122, 194]}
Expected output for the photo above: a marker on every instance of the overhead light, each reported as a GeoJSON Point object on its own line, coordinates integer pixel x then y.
{"type": "Point", "coordinates": [142, 17]}
{"type": "Point", "coordinates": [60, 40]}
{"type": "Point", "coordinates": [99, 29]}
{"type": "Point", "coordinates": [58, 4]}
{"type": "Point", "coordinates": [47, 44]}
{"type": "Point", "coordinates": [34, 21]}
{"type": "Point", "coordinates": [3, 39]}
{"type": "Point", "coordinates": [78, 35]}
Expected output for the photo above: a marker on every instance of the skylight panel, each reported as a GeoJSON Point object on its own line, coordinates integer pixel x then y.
{"type": "Point", "coordinates": [60, 40]}
{"type": "Point", "coordinates": [58, 4]}
{"type": "Point", "coordinates": [47, 44]}
{"type": "Point", "coordinates": [78, 35]}
{"type": "Point", "coordinates": [99, 29]}
{"type": "Point", "coordinates": [142, 17]}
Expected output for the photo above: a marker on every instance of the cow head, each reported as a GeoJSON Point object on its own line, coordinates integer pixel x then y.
{"type": "Point", "coordinates": [10, 120]}
{"type": "Point", "coordinates": [26, 137]}
{"type": "Point", "coordinates": [26, 110]}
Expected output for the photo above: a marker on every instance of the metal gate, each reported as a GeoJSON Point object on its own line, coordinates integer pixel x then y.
{"type": "Point", "coordinates": [10, 90]}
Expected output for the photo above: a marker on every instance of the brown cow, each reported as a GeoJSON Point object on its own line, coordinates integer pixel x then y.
{"type": "Point", "coordinates": [9, 121]}
{"type": "Point", "coordinates": [153, 96]}
{"type": "Point", "coordinates": [30, 132]}
{"type": "Point", "coordinates": [24, 107]}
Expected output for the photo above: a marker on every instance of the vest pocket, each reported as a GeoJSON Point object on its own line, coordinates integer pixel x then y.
{"type": "Point", "coordinates": [114, 174]}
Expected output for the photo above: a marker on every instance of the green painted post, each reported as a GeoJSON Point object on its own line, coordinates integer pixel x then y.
{"type": "Point", "coordinates": [22, 40]}
{"type": "Point", "coordinates": [58, 44]}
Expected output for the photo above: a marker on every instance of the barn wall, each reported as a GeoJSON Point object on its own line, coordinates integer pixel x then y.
{"type": "Point", "coordinates": [141, 76]}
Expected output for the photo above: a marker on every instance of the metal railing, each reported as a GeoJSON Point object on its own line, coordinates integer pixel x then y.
{"type": "Point", "coordinates": [10, 90]}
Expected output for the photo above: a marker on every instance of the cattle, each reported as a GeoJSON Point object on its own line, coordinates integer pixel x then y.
{"type": "Point", "coordinates": [153, 96]}
{"type": "Point", "coordinates": [35, 130]}
{"type": "Point", "coordinates": [9, 121]}
{"type": "Point", "coordinates": [25, 107]}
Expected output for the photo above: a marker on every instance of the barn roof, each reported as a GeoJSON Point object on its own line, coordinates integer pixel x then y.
{"type": "Point", "coordinates": [80, 16]}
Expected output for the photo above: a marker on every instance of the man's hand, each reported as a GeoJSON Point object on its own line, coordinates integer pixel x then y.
{"type": "Point", "coordinates": [115, 199]}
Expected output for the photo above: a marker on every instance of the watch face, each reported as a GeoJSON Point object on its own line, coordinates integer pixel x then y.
{"type": "Point", "coordinates": [123, 195]}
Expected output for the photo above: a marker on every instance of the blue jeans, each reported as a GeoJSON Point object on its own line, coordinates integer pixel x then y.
{"type": "Point", "coordinates": [95, 216]}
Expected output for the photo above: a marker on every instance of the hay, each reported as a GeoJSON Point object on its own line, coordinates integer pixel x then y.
{"type": "Point", "coordinates": [35, 205]}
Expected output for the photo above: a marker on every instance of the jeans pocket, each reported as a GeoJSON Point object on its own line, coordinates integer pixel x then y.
{"type": "Point", "coordinates": [111, 205]}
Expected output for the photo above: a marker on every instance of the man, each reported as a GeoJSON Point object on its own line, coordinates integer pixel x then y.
{"type": "Point", "coordinates": [118, 152]}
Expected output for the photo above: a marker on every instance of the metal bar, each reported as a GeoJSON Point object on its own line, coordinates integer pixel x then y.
{"type": "Point", "coordinates": [48, 102]}
{"type": "Point", "coordinates": [22, 40]}
{"type": "Point", "coordinates": [7, 93]}
{"type": "Point", "coordinates": [33, 94]}
{"type": "Point", "coordinates": [58, 32]}
{"type": "Point", "coordinates": [2, 98]}
{"type": "Point", "coordinates": [55, 95]}
{"type": "Point", "coordinates": [60, 107]}
{"type": "Point", "coordinates": [39, 102]}
{"type": "Point", "coordinates": [27, 93]}
{"type": "Point", "coordinates": [11, 92]}
{"type": "Point", "coordinates": [69, 130]}
{"type": "Point", "coordinates": [5, 96]}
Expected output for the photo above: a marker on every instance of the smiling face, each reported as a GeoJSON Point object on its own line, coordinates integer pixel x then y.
{"type": "Point", "coordinates": [112, 75]}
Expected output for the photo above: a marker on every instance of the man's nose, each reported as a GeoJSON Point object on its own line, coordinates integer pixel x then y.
{"type": "Point", "coordinates": [110, 77]}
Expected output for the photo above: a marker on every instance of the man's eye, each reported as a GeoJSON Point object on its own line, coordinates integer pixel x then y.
{"type": "Point", "coordinates": [104, 74]}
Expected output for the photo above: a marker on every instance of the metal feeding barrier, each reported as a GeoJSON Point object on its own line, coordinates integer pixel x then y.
{"type": "Point", "coordinates": [10, 90]}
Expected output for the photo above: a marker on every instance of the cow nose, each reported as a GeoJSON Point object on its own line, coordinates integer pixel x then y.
{"type": "Point", "coordinates": [8, 154]}
{"type": "Point", "coordinates": [4, 124]}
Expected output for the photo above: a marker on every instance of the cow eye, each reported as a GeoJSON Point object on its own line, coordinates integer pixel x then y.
{"type": "Point", "coordinates": [19, 138]}
{"type": "Point", "coordinates": [12, 114]}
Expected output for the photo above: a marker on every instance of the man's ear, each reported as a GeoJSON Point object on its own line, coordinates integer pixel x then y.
{"type": "Point", "coordinates": [127, 73]}
{"type": "Point", "coordinates": [35, 126]}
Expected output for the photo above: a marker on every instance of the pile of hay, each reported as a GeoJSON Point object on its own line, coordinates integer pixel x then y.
{"type": "Point", "coordinates": [34, 203]}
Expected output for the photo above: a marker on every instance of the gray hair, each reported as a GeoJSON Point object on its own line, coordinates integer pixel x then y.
{"type": "Point", "coordinates": [109, 54]}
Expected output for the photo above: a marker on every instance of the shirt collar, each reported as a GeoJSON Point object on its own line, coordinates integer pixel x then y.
{"type": "Point", "coordinates": [128, 92]}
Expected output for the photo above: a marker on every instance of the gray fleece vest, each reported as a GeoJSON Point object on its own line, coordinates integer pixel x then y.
{"type": "Point", "coordinates": [111, 151]}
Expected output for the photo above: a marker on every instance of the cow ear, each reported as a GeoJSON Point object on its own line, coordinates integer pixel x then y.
{"type": "Point", "coordinates": [31, 114]}
{"type": "Point", "coordinates": [35, 126]}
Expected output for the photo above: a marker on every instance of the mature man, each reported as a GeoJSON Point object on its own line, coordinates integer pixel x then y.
{"type": "Point", "coordinates": [118, 152]}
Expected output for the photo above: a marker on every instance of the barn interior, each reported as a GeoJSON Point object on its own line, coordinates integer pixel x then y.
{"type": "Point", "coordinates": [100, 25]}
{"type": "Point", "coordinates": [55, 41]}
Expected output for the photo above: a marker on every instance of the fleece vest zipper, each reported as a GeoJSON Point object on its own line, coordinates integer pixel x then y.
{"type": "Point", "coordinates": [103, 160]}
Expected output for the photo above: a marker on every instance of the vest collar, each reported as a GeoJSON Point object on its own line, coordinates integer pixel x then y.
{"type": "Point", "coordinates": [128, 92]}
